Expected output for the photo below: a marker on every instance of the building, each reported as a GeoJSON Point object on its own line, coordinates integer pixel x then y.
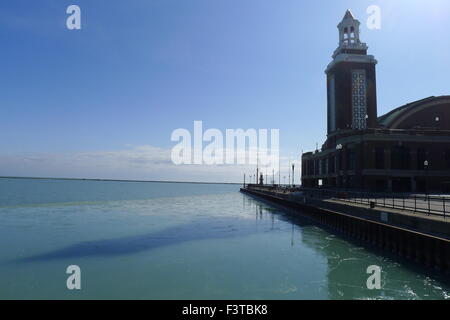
{"type": "Point", "coordinates": [405, 150]}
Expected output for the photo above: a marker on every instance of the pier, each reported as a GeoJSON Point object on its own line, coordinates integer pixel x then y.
{"type": "Point", "coordinates": [414, 227]}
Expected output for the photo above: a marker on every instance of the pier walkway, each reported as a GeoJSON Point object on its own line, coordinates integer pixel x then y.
{"type": "Point", "coordinates": [433, 206]}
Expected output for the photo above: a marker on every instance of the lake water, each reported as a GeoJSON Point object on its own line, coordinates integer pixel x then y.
{"type": "Point", "coordinates": [180, 241]}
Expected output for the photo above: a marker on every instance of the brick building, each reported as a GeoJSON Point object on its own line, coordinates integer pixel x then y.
{"type": "Point", "coordinates": [405, 150]}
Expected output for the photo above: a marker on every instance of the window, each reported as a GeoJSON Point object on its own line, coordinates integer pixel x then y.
{"type": "Point", "coordinates": [322, 164]}
{"type": "Point", "coordinates": [332, 104]}
{"type": "Point", "coordinates": [352, 35]}
{"type": "Point", "coordinates": [311, 167]}
{"type": "Point", "coordinates": [400, 158]}
{"type": "Point", "coordinates": [345, 36]}
{"type": "Point", "coordinates": [332, 165]}
{"type": "Point", "coordinates": [351, 161]}
{"type": "Point", "coordinates": [379, 158]}
{"type": "Point", "coordinates": [359, 100]}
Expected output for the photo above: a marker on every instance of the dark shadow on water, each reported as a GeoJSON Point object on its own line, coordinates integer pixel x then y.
{"type": "Point", "coordinates": [207, 229]}
{"type": "Point", "coordinates": [200, 230]}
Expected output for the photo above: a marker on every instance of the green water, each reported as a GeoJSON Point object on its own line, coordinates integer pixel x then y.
{"type": "Point", "coordinates": [180, 241]}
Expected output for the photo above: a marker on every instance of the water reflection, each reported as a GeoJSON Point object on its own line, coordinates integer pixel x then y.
{"type": "Point", "coordinates": [347, 262]}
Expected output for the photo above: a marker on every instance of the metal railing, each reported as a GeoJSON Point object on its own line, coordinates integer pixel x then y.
{"type": "Point", "coordinates": [417, 203]}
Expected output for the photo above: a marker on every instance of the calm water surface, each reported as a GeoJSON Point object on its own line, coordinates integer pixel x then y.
{"type": "Point", "coordinates": [180, 241]}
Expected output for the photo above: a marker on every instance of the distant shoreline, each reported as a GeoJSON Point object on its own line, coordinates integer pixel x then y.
{"type": "Point", "coordinates": [119, 180]}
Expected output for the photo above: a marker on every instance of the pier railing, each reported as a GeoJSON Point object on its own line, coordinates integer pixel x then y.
{"type": "Point", "coordinates": [432, 205]}
{"type": "Point", "coordinates": [418, 203]}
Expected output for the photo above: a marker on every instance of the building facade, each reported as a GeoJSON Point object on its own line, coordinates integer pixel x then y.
{"type": "Point", "coordinates": [405, 150]}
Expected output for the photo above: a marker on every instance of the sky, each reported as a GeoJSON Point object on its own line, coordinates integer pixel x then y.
{"type": "Point", "coordinates": [103, 101]}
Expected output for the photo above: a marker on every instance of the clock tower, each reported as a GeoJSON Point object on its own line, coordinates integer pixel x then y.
{"type": "Point", "coordinates": [351, 81]}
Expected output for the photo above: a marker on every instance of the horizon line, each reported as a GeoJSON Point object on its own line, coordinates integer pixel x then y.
{"type": "Point", "coordinates": [117, 180]}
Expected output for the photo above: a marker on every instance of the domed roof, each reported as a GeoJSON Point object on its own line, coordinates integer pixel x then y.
{"type": "Point", "coordinates": [395, 118]}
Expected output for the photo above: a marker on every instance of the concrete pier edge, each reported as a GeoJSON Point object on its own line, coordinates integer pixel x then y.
{"type": "Point", "coordinates": [428, 245]}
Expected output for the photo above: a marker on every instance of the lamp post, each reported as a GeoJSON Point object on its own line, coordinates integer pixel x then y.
{"type": "Point", "coordinates": [289, 172]}
{"type": "Point", "coordinates": [425, 165]}
{"type": "Point", "coordinates": [293, 175]}
{"type": "Point", "coordinates": [338, 165]}
{"type": "Point", "coordinates": [279, 175]}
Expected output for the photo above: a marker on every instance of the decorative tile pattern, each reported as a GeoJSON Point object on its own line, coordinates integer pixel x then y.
{"type": "Point", "coordinates": [359, 99]}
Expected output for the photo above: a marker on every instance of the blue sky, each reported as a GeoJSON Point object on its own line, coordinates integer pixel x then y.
{"type": "Point", "coordinates": [140, 69]}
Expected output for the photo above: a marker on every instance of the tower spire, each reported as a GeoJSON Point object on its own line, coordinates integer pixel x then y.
{"type": "Point", "coordinates": [349, 36]}
{"type": "Point", "coordinates": [348, 15]}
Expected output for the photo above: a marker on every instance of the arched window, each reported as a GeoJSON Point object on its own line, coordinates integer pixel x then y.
{"type": "Point", "coordinates": [346, 37]}
{"type": "Point", "coordinates": [352, 35]}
